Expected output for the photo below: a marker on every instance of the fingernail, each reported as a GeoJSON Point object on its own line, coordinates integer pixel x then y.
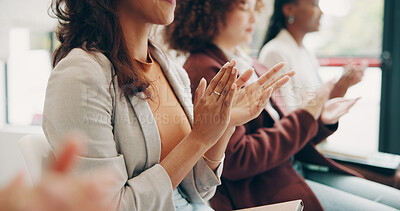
{"type": "Point", "coordinates": [234, 71]}
{"type": "Point", "coordinates": [233, 86]}
{"type": "Point", "coordinates": [225, 64]}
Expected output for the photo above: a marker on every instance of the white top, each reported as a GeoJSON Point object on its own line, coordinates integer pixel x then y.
{"type": "Point", "coordinates": [283, 48]}
{"type": "Point", "coordinates": [243, 63]}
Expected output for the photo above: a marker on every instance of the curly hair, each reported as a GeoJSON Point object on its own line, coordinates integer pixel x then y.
{"type": "Point", "coordinates": [93, 25]}
{"type": "Point", "coordinates": [197, 22]}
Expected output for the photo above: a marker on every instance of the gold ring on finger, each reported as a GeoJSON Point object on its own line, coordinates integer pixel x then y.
{"type": "Point", "coordinates": [217, 93]}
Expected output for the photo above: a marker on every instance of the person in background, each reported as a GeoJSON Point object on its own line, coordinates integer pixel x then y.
{"type": "Point", "coordinates": [259, 164]}
{"type": "Point", "coordinates": [134, 104]}
{"type": "Point", "coordinates": [60, 189]}
{"type": "Point", "coordinates": [290, 22]}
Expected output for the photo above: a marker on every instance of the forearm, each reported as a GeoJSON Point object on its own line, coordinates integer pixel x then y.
{"type": "Point", "coordinates": [182, 158]}
{"type": "Point", "coordinates": [339, 90]}
{"type": "Point", "coordinates": [217, 151]}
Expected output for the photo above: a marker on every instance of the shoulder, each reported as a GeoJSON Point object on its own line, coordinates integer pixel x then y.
{"type": "Point", "coordinates": [83, 65]}
{"type": "Point", "coordinates": [274, 47]}
{"type": "Point", "coordinates": [201, 61]}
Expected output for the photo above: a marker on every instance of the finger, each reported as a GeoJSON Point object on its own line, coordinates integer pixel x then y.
{"type": "Point", "coordinates": [281, 82]}
{"type": "Point", "coordinates": [244, 78]}
{"type": "Point", "coordinates": [289, 74]}
{"type": "Point", "coordinates": [67, 155]}
{"type": "Point", "coordinates": [218, 78]}
{"type": "Point", "coordinates": [217, 92]}
{"type": "Point", "coordinates": [228, 85]}
{"type": "Point", "coordinates": [353, 103]}
{"type": "Point", "coordinates": [200, 91]}
{"type": "Point", "coordinates": [227, 105]}
{"type": "Point", "coordinates": [265, 98]}
{"type": "Point", "coordinates": [269, 75]}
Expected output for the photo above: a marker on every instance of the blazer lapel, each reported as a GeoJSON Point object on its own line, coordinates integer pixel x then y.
{"type": "Point", "coordinates": [149, 128]}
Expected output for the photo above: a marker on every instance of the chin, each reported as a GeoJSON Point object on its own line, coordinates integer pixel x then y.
{"type": "Point", "coordinates": [249, 40]}
{"type": "Point", "coordinates": [169, 20]}
{"type": "Point", "coordinates": [166, 20]}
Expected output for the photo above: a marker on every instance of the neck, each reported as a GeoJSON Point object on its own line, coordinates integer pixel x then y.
{"type": "Point", "coordinates": [298, 35]}
{"type": "Point", "coordinates": [225, 44]}
{"type": "Point", "coordinates": [136, 32]}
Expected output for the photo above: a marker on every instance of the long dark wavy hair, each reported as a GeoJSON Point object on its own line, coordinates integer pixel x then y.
{"type": "Point", "coordinates": [93, 26]}
{"type": "Point", "coordinates": [277, 22]}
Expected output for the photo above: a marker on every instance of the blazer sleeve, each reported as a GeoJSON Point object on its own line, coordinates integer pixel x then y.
{"type": "Point", "coordinates": [249, 154]}
{"type": "Point", "coordinates": [324, 131]}
{"type": "Point", "coordinates": [78, 98]}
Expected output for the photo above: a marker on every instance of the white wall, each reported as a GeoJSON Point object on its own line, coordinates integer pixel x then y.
{"type": "Point", "coordinates": [2, 95]}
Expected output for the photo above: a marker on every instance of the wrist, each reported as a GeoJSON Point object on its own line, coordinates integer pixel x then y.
{"type": "Point", "coordinates": [198, 141]}
{"type": "Point", "coordinates": [342, 84]}
{"type": "Point", "coordinates": [214, 162]}
{"type": "Point", "coordinates": [230, 130]}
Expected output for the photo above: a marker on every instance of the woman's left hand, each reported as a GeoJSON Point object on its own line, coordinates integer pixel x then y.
{"type": "Point", "coordinates": [352, 74]}
{"type": "Point", "coordinates": [336, 108]}
{"type": "Point", "coordinates": [251, 100]}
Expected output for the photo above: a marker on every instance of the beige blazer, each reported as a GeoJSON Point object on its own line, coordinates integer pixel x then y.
{"type": "Point", "coordinates": [283, 48]}
{"type": "Point", "coordinates": [122, 132]}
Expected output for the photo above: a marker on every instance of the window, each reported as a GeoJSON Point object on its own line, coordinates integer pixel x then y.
{"type": "Point", "coordinates": [26, 35]}
{"type": "Point", "coordinates": [28, 68]}
{"type": "Point", "coordinates": [351, 31]}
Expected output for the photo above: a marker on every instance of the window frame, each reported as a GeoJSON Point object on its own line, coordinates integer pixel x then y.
{"type": "Point", "coordinates": [390, 99]}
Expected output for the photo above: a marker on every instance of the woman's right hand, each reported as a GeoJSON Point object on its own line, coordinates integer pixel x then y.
{"type": "Point", "coordinates": [212, 106]}
{"type": "Point", "coordinates": [315, 103]}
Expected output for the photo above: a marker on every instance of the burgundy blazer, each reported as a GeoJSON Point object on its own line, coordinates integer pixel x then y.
{"type": "Point", "coordinates": [257, 168]}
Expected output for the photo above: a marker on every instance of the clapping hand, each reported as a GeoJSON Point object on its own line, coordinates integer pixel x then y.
{"type": "Point", "coordinates": [336, 108]}
{"type": "Point", "coordinates": [314, 104]}
{"type": "Point", "coordinates": [212, 105]}
{"type": "Point", "coordinates": [353, 74]}
{"type": "Point", "coordinates": [252, 99]}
